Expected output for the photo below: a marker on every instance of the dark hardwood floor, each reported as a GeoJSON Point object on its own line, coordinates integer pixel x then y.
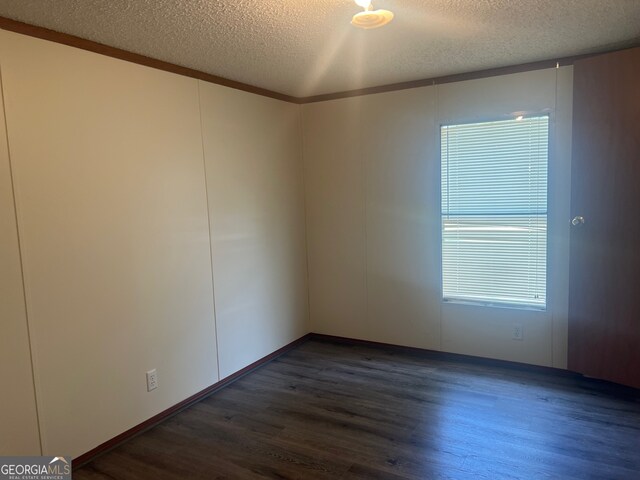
{"type": "Point", "coordinates": [335, 411]}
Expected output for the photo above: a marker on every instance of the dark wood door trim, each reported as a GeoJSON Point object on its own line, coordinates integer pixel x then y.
{"type": "Point", "coordinates": [604, 306]}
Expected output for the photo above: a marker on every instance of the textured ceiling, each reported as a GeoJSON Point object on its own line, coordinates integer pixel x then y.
{"type": "Point", "coordinates": [308, 47]}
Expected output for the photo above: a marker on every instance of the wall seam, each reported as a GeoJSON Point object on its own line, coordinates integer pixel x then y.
{"type": "Point", "coordinates": [365, 196]}
{"type": "Point", "coordinates": [438, 156]}
{"type": "Point", "coordinates": [206, 192]}
{"type": "Point", "coordinates": [22, 276]}
{"type": "Point", "coordinates": [553, 160]}
{"type": "Point", "coordinates": [555, 252]}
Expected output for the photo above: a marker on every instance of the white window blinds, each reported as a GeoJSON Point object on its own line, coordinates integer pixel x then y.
{"type": "Point", "coordinates": [494, 212]}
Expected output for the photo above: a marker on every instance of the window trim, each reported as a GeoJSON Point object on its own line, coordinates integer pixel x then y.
{"type": "Point", "coordinates": [550, 113]}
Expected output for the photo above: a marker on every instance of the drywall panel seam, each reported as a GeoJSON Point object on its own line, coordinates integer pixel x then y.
{"type": "Point", "coordinates": [206, 191]}
{"type": "Point", "coordinates": [365, 191]}
{"type": "Point", "coordinates": [554, 157]}
{"type": "Point", "coordinates": [437, 155]}
{"type": "Point", "coordinates": [24, 289]}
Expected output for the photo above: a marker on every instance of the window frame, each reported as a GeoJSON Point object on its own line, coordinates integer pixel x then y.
{"type": "Point", "coordinates": [550, 154]}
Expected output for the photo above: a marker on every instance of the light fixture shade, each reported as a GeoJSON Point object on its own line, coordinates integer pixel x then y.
{"type": "Point", "coordinates": [372, 19]}
{"type": "Point", "coordinates": [363, 3]}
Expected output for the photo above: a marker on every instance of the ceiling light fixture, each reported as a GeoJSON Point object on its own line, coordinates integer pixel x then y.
{"type": "Point", "coordinates": [370, 18]}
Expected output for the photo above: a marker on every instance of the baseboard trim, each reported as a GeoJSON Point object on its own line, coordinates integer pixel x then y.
{"type": "Point", "coordinates": [448, 356]}
{"type": "Point", "coordinates": [422, 352]}
{"type": "Point", "coordinates": [173, 410]}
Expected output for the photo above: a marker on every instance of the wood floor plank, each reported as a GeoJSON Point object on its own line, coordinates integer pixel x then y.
{"type": "Point", "coordinates": [334, 411]}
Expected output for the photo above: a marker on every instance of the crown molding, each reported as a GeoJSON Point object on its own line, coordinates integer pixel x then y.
{"type": "Point", "coordinates": [89, 45]}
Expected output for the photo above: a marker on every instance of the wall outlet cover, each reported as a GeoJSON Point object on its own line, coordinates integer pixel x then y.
{"type": "Point", "coordinates": [518, 332]}
{"type": "Point", "coordinates": [152, 380]}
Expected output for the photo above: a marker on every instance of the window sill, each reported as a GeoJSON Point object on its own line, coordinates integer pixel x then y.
{"type": "Point", "coordinates": [478, 303]}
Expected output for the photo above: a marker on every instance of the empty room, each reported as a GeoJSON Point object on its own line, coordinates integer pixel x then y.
{"type": "Point", "coordinates": [324, 239]}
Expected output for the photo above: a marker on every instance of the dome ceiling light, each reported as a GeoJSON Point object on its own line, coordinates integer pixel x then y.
{"type": "Point", "coordinates": [370, 18]}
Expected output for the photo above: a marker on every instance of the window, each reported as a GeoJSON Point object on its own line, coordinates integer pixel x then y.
{"type": "Point", "coordinates": [494, 212]}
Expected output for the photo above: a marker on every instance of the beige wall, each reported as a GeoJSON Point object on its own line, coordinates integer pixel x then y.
{"type": "Point", "coordinates": [256, 202]}
{"type": "Point", "coordinates": [114, 221]}
{"type": "Point", "coordinates": [335, 214]}
{"type": "Point", "coordinates": [162, 225]}
{"type": "Point", "coordinates": [372, 194]}
{"type": "Point", "coordinates": [18, 418]}
{"type": "Point", "coordinates": [111, 202]}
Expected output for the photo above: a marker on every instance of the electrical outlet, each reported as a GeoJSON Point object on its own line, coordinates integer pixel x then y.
{"type": "Point", "coordinates": [518, 332]}
{"type": "Point", "coordinates": [152, 380]}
